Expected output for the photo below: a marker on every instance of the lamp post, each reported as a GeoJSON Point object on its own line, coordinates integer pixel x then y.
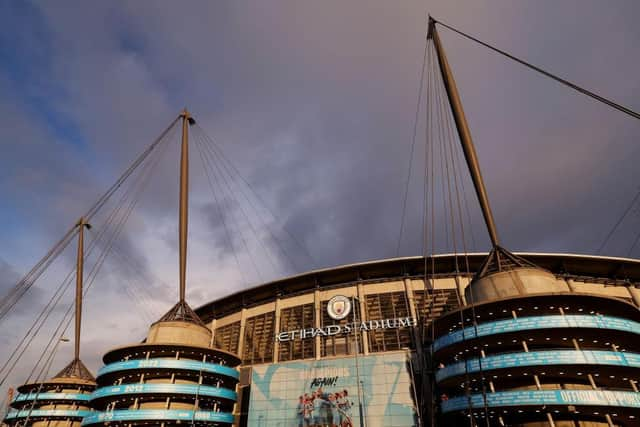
{"type": "Point", "coordinates": [358, 382]}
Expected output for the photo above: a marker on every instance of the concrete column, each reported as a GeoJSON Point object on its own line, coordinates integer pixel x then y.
{"type": "Point", "coordinates": [592, 382]}
{"type": "Point", "coordinates": [318, 313]}
{"type": "Point", "coordinates": [276, 329]}
{"type": "Point", "coordinates": [536, 379]}
{"type": "Point", "coordinates": [363, 308]}
{"type": "Point", "coordinates": [572, 285]}
{"type": "Point", "coordinates": [408, 289]}
{"type": "Point", "coordinates": [243, 321]}
{"type": "Point", "coordinates": [460, 286]}
{"type": "Point", "coordinates": [212, 326]}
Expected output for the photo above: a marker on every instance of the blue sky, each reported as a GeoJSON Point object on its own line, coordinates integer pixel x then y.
{"type": "Point", "coordinates": [314, 102]}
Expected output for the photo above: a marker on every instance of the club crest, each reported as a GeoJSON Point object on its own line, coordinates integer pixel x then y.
{"type": "Point", "coordinates": [339, 307]}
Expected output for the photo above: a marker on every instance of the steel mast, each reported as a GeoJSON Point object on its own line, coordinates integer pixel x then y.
{"type": "Point", "coordinates": [464, 133]}
{"type": "Point", "coordinates": [184, 199]}
{"type": "Point", "coordinates": [82, 223]}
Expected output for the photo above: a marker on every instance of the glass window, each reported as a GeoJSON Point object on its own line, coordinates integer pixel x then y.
{"type": "Point", "coordinates": [433, 304]}
{"type": "Point", "coordinates": [259, 336]}
{"type": "Point", "coordinates": [391, 305]}
{"type": "Point", "coordinates": [227, 337]}
{"type": "Point", "coordinates": [336, 345]}
{"type": "Point", "coordinates": [293, 319]}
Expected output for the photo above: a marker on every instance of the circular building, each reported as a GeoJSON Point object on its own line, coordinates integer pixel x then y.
{"type": "Point", "coordinates": [370, 345]}
{"type": "Point", "coordinates": [62, 401]}
{"type": "Point", "coordinates": [174, 377]}
{"type": "Point", "coordinates": [529, 350]}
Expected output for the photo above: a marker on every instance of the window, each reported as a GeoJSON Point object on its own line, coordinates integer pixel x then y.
{"type": "Point", "coordinates": [337, 345]}
{"type": "Point", "coordinates": [227, 337]}
{"type": "Point", "coordinates": [293, 319]}
{"type": "Point", "coordinates": [391, 305]}
{"type": "Point", "coordinates": [433, 304]}
{"type": "Point", "coordinates": [258, 339]}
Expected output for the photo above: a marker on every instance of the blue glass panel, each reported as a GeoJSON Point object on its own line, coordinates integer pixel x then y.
{"type": "Point", "coordinates": [546, 397]}
{"type": "Point", "coordinates": [537, 322]}
{"type": "Point", "coordinates": [189, 389]}
{"type": "Point", "coordinates": [542, 358]}
{"type": "Point", "coordinates": [187, 365]}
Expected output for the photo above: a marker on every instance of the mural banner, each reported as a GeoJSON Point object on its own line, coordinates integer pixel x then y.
{"type": "Point", "coordinates": [371, 391]}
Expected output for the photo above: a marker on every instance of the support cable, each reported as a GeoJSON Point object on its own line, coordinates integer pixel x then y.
{"type": "Point", "coordinates": [22, 287]}
{"type": "Point", "coordinates": [217, 148]}
{"type": "Point", "coordinates": [142, 180]}
{"type": "Point", "coordinates": [27, 281]}
{"type": "Point", "coordinates": [108, 222]}
{"type": "Point", "coordinates": [573, 86]}
{"type": "Point", "coordinates": [220, 214]}
{"type": "Point", "coordinates": [633, 246]}
{"type": "Point", "coordinates": [228, 196]}
{"type": "Point", "coordinates": [225, 168]}
{"type": "Point", "coordinates": [617, 224]}
{"type": "Point", "coordinates": [452, 137]}
{"type": "Point", "coordinates": [48, 364]}
{"type": "Point", "coordinates": [227, 182]}
{"type": "Point", "coordinates": [413, 146]}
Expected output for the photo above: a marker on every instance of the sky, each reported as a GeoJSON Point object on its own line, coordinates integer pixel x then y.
{"type": "Point", "coordinates": [314, 103]}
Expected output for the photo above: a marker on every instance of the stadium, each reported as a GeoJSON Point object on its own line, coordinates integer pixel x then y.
{"type": "Point", "coordinates": [566, 351]}
{"type": "Point", "coordinates": [462, 339]}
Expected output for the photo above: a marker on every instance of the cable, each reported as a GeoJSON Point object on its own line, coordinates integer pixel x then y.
{"type": "Point", "coordinates": [220, 178]}
{"type": "Point", "coordinates": [222, 218]}
{"type": "Point", "coordinates": [575, 87]}
{"type": "Point", "coordinates": [633, 246]}
{"type": "Point", "coordinates": [288, 257]}
{"type": "Point", "coordinates": [23, 286]}
{"type": "Point", "coordinates": [102, 200]}
{"type": "Point", "coordinates": [226, 166]}
{"type": "Point", "coordinates": [65, 284]}
{"type": "Point", "coordinates": [220, 152]}
{"type": "Point", "coordinates": [617, 224]}
{"type": "Point", "coordinates": [413, 146]}
{"type": "Point", "coordinates": [26, 282]}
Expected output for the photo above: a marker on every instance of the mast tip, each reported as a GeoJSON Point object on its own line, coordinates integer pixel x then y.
{"type": "Point", "coordinates": [186, 115]}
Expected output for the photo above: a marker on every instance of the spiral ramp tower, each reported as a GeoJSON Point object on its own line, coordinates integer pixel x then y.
{"type": "Point", "coordinates": [528, 352]}
{"type": "Point", "coordinates": [172, 378]}
{"type": "Point", "coordinates": [62, 401]}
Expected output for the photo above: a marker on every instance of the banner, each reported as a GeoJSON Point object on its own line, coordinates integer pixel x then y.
{"type": "Point", "coordinates": [367, 391]}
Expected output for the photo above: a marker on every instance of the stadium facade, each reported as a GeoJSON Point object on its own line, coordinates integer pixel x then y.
{"type": "Point", "coordinates": [551, 345]}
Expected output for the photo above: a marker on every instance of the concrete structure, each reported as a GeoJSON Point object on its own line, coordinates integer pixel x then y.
{"type": "Point", "coordinates": [62, 401]}
{"type": "Point", "coordinates": [173, 377]}
{"type": "Point", "coordinates": [251, 322]}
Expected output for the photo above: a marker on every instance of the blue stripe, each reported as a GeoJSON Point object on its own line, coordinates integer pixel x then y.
{"type": "Point", "coordinates": [52, 396]}
{"type": "Point", "coordinates": [538, 398]}
{"type": "Point", "coordinates": [188, 389]}
{"type": "Point", "coordinates": [187, 365]}
{"type": "Point", "coordinates": [158, 414]}
{"type": "Point", "coordinates": [52, 413]}
{"type": "Point", "coordinates": [541, 358]}
{"type": "Point", "coordinates": [537, 322]}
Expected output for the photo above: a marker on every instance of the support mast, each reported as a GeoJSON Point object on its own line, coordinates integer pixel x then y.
{"type": "Point", "coordinates": [184, 199]}
{"type": "Point", "coordinates": [464, 133]}
{"type": "Point", "coordinates": [82, 223]}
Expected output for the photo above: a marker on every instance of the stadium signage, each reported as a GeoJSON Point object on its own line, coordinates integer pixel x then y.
{"type": "Point", "coordinates": [345, 329]}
